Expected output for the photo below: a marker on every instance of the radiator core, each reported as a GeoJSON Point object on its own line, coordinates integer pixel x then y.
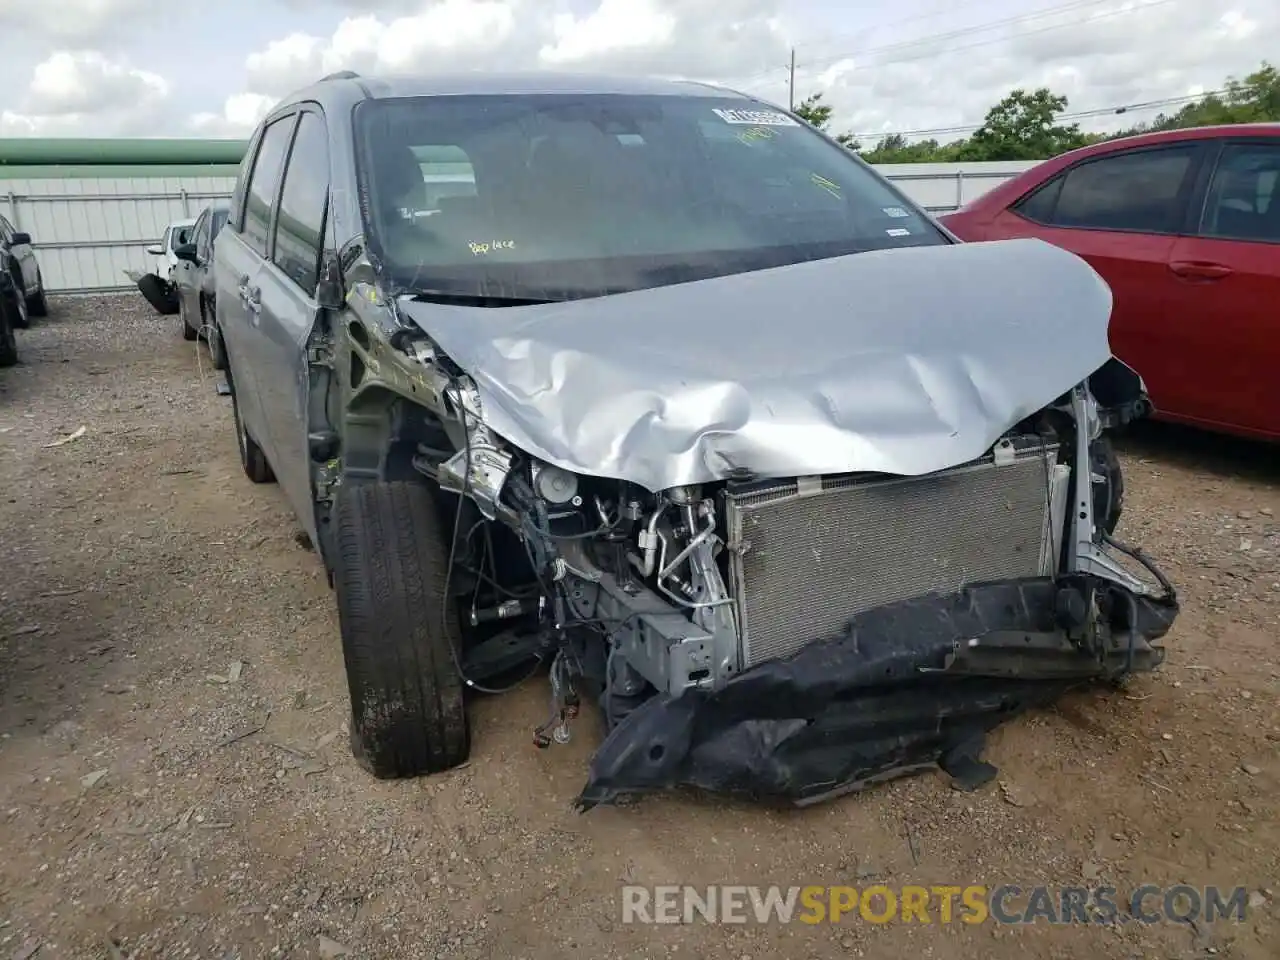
{"type": "Point", "coordinates": [807, 554]}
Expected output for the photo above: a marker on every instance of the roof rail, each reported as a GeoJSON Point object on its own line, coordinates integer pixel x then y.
{"type": "Point", "coordinates": [340, 75]}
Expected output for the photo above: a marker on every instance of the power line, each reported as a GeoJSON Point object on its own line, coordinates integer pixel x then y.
{"type": "Point", "coordinates": [951, 7]}
{"type": "Point", "coordinates": [1077, 115]}
{"type": "Point", "coordinates": [1104, 15]}
{"type": "Point", "coordinates": [935, 38]}
{"type": "Point", "coordinates": [858, 33]}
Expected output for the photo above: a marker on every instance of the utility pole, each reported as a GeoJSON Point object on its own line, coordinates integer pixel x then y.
{"type": "Point", "coordinates": [791, 87]}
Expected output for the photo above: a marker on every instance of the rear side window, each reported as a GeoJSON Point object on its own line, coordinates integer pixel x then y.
{"type": "Point", "coordinates": [1244, 195]}
{"type": "Point", "coordinates": [259, 200]}
{"type": "Point", "coordinates": [300, 225]}
{"type": "Point", "coordinates": [1039, 205]}
{"type": "Point", "coordinates": [1139, 191]}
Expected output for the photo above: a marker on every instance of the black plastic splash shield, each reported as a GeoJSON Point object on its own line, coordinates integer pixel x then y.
{"type": "Point", "coordinates": [909, 686]}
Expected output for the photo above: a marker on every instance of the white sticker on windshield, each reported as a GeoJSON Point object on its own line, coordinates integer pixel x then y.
{"type": "Point", "coordinates": [756, 118]}
{"type": "Point", "coordinates": [895, 212]}
{"type": "Point", "coordinates": [898, 232]}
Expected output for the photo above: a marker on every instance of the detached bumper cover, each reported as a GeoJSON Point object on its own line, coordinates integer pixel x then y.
{"type": "Point", "coordinates": [160, 293]}
{"type": "Point", "coordinates": [908, 687]}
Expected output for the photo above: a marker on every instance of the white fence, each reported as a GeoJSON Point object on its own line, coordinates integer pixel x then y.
{"type": "Point", "coordinates": [88, 231]}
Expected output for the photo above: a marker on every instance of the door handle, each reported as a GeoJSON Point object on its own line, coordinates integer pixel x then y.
{"type": "Point", "coordinates": [1200, 270]}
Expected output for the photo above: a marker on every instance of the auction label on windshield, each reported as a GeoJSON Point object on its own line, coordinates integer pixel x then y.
{"type": "Point", "coordinates": [756, 118]}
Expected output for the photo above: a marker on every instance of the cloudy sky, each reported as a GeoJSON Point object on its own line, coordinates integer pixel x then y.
{"type": "Point", "coordinates": [158, 68]}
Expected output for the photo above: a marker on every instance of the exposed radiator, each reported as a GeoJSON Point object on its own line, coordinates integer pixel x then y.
{"type": "Point", "coordinates": [807, 554]}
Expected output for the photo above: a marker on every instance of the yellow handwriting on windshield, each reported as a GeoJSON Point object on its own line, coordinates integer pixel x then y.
{"type": "Point", "coordinates": [482, 247]}
{"type": "Point", "coordinates": [823, 183]}
{"type": "Point", "coordinates": [753, 134]}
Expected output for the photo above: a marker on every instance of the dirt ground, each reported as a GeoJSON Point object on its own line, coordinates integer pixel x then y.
{"type": "Point", "coordinates": [157, 800]}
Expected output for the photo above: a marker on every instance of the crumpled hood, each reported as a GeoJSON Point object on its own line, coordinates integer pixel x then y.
{"type": "Point", "coordinates": [901, 361]}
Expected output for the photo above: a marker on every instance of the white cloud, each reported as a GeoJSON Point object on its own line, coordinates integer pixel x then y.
{"type": "Point", "coordinates": [1117, 54]}
{"type": "Point", "coordinates": [904, 65]}
{"type": "Point", "coordinates": [240, 114]}
{"type": "Point", "coordinates": [67, 19]}
{"type": "Point", "coordinates": [443, 35]}
{"type": "Point", "coordinates": [72, 86]}
{"type": "Point", "coordinates": [708, 39]}
{"type": "Point", "coordinates": [613, 26]}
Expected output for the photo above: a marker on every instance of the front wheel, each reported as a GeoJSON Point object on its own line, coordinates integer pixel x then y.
{"type": "Point", "coordinates": [37, 305]}
{"type": "Point", "coordinates": [213, 334]}
{"type": "Point", "coordinates": [390, 562]}
{"type": "Point", "coordinates": [19, 317]}
{"type": "Point", "coordinates": [188, 331]}
{"type": "Point", "coordinates": [8, 342]}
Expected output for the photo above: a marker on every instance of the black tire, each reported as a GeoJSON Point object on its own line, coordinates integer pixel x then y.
{"type": "Point", "coordinates": [213, 336]}
{"type": "Point", "coordinates": [1108, 498]}
{"type": "Point", "coordinates": [188, 331]}
{"type": "Point", "coordinates": [252, 459]}
{"type": "Point", "coordinates": [408, 712]}
{"type": "Point", "coordinates": [8, 342]}
{"type": "Point", "coordinates": [19, 317]}
{"type": "Point", "coordinates": [37, 305]}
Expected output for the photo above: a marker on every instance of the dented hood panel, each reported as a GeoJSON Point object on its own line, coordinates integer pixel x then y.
{"type": "Point", "coordinates": [901, 361]}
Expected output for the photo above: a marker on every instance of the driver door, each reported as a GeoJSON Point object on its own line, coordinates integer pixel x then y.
{"type": "Point", "coordinates": [186, 274]}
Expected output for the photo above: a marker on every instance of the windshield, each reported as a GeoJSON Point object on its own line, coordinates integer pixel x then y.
{"type": "Point", "coordinates": [562, 196]}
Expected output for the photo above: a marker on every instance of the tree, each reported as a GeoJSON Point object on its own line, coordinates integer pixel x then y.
{"type": "Point", "coordinates": [817, 114]}
{"type": "Point", "coordinates": [813, 112]}
{"type": "Point", "coordinates": [1255, 99]}
{"type": "Point", "coordinates": [1027, 125]}
{"type": "Point", "coordinates": [1021, 127]}
{"type": "Point", "coordinates": [895, 149]}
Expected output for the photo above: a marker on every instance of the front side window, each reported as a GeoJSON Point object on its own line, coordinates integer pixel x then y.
{"type": "Point", "coordinates": [1244, 199]}
{"type": "Point", "coordinates": [561, 196]}
{"type": "Point", "coordinates": [1138, 191]}
{"type": "Point", "coordinates": [259, 201]}
{"type": "Point", "coordinates": [200, 233]}
{"type": "Point", "coordinates": [300, 226]}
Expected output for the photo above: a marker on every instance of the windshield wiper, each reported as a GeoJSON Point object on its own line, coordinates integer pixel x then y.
{"type": "Point", "coordinates": [477, 299]}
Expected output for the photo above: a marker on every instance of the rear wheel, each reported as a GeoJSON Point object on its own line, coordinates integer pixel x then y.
{"type": "Point", "coordinates": [390, 562]}
{"type": "Point", "coordinates": [252, 459]}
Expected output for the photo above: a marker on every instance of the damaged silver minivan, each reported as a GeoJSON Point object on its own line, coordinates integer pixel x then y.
{"type": "Point", "coordinates": [653, 387]}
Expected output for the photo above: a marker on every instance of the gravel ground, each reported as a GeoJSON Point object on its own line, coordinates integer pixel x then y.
{"type": "Point", "coordinates": [175, 780]}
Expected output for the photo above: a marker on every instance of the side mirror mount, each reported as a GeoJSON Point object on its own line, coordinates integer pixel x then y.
{"type": "Point", "coordinates": [329, 295]}
{"type": "Point", "coordinates": [185, 251]}
{"type": "Point", "coordinates": [156, 250]}
{"type": "Point", "coordinates": [20, 238]}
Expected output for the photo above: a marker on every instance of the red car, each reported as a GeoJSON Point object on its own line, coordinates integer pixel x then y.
{"type": "Point", "coordinates": [1184, 225]}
